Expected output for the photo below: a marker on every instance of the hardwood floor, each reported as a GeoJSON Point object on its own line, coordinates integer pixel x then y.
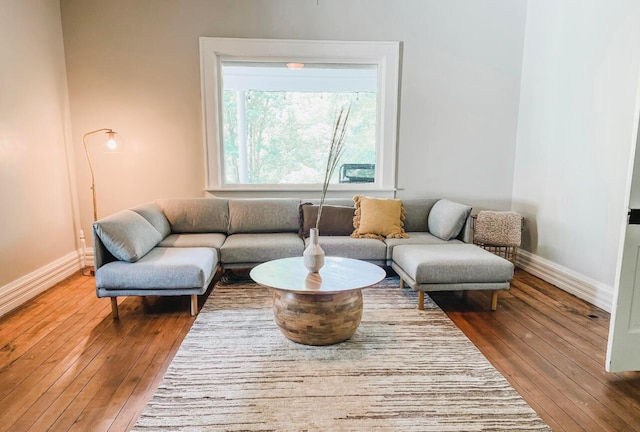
{"type": "Point", "coordinates": [66, 365]}
{"type": "Point", "coordinates": [551, 347]}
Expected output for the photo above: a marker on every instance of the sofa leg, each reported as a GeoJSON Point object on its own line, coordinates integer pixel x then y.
{"type": "Point", "coordinates": [114, 308]}
{"type": "Point", "coordinates": [194, 304]}
{"type": "Point", "coordinates": [494, 300]}
{"type": "Point", "coordinates": [421, 300]}
{"type": "Point", "coordinates": [401, 283]}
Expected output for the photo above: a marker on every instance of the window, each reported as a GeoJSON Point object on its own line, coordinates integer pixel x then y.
{"type": "Point", "coordinates": [269, 108]}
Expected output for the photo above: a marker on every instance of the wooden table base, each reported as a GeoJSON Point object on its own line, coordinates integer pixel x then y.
{"type": "Point", "coordinates": [317, 319]}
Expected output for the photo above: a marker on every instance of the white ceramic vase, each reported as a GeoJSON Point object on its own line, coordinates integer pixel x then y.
{"type": "Point", "coordinates": [313, 255]}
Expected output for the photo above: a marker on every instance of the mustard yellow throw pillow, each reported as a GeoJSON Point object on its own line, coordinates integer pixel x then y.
{"type": "Point", "coordinates": [378, 218]}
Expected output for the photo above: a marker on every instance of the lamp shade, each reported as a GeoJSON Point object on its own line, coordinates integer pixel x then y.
{"type": "Point", "coordinates": [113, 142]}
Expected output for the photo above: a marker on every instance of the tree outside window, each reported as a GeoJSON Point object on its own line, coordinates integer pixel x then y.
{"type": "Point", "coordinates": [277, 122]}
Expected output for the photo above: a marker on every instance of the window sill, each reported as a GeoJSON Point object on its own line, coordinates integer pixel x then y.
{"type": "Point", "coordinates": [297, 192]}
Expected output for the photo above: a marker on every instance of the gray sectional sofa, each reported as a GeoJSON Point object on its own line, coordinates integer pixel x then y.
{"type": "Point", "coordinates": [178, 246]}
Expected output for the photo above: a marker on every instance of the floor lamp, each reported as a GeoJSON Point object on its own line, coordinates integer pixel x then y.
{"type": "Point", "coordinates": [110, 145]}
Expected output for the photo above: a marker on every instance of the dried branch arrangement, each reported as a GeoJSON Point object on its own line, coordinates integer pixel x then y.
{"type": "Point", "coordinates": [335, 152]}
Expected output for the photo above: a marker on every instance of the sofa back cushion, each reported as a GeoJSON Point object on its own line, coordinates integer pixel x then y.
{"type": "Point", "coordinates": [153, 214]}
{"type": "Point", "coordinates": [447, 218]}
{"type": "Point", "coordinates": [127, 235]}
{"type": "Point", "coordinates": [417, 214]}
{"type": "Point", "coordinates": [262, 215]}
{"type": "Point", "coordinates": [196, 215]}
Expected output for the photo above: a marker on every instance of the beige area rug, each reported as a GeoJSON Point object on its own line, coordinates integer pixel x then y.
{"type": "Point", "coordinates": [403, 370]}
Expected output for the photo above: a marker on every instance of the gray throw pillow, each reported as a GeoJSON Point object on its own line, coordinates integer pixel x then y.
{"type": "Point", "coordinates": [127, 235]}
{"type": "Point", "coordinates": [447, 218]}
{"type": "Point", "coordinates": [153, 214]}
{"type": "Point", "coordinates": [417, 213]}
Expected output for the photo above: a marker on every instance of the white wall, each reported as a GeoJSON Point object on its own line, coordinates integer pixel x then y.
{"type": "Point", "coordinates": [134, 66]}
{"type": "Point", "coordinates": [36, 214]}
{"type": "Point", "coordinates": [580, 75]}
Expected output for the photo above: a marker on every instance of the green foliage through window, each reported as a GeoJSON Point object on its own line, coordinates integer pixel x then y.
{"type": "Point", "coordinates": [288, 134]}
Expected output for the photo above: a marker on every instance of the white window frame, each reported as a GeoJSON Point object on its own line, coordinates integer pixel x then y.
{"type": "Point", "coordinates": [386, 55]}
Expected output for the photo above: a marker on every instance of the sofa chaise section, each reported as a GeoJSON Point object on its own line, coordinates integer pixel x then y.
{"type": "Point", "coordinates": [451, 267]}
{"type": "Point", "coordinates": [162, 271]}
{"type": "Point", "coordinates": [129, 262]}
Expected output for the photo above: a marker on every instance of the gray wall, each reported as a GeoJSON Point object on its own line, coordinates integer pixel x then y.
{"type": "Point", "coordinates": [133, 65]}
{"type": "Point", "coordinates": [576, 130]}
{"type": "Point", "coordinates": [36, 184]}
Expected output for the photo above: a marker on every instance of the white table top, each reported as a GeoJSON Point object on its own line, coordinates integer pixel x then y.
{"type": "Point", "coordinates": [337, 275]}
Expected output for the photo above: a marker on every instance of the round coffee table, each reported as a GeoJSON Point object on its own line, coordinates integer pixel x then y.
{"type": "Point", "coordinates": [317, 308]}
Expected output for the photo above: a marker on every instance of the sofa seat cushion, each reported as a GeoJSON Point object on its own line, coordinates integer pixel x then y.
{"type": "Point", "coordinates": [160, 269]}
{"type": "Point", "coordinates": [451, 264]}
{"type": "Point", "coordinates": [355, 248]}
{"type": "Point", "coordinates": [417, 238]}
{"type": "Point", "coordinates": [254, 248]}
{"type": "Point", "coordinates": [210, 240]}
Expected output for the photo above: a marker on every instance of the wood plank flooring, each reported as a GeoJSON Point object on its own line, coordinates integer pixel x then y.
{"type": "Point", "coordinates": [66, 365]}
{"type": "Point", "coordinates": [551, 347]}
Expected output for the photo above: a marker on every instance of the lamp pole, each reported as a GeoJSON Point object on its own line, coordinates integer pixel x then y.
{"type": "Point", "coordinates": [111, 134]}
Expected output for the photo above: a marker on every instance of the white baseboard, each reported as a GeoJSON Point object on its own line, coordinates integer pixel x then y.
{"type": "Point", "coordinates": [596, 293]}
{"type": "Point", "coordinates": [21, 290]}
{"type": "Point", "coordinates": [88, 254]}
